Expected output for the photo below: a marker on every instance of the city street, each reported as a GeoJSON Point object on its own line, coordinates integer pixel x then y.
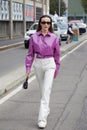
{"type": "Point", "coordinates": [20, 107]}
{"type": "Point", "coordinates": [68, 99]}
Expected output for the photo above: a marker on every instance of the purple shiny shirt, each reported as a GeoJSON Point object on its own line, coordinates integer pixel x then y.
{"type": "Point", "coordinates": [45, 47]}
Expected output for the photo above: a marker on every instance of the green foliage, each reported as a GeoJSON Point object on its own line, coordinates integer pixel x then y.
{"type": "Point", "coordinates": [54, 6]}
{"type": "Point", "coordinates": [84, 4]}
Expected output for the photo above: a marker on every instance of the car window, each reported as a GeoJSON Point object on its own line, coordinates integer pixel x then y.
{"type": "Point", "coordinates": [63, 26]}
{"type": "Point", "coordinates": [34, 27]}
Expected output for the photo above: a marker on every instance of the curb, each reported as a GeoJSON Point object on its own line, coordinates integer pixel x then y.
{"type": "Point", "coordinates": [12, 80]}
{"type": "Point", "coordinates": [11, 46]}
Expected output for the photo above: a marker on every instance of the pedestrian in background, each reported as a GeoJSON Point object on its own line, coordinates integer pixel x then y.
{"type": "Point", "coordinates": [44, 49]}
{"type": "Point", "coordinates": [70, 33]}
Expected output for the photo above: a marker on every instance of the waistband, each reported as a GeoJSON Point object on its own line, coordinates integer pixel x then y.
{"type": "Point", "coordinates": [44, 59]}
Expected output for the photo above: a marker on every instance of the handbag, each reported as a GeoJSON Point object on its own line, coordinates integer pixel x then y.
{"type": "Point", "coordinates": [25, 84]}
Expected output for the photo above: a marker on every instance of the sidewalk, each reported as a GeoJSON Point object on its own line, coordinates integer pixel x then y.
{"type": "Point", "coordinates": [9, 43]}
{"type": "Point", "coordinates": [17, 77]}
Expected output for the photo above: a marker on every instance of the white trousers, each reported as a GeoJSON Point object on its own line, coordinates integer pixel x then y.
{"type": "Point", "coordinates": [44, 69]}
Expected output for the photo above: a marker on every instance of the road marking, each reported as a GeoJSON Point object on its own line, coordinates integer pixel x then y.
{"type": "Point", "coordinates": [78, 46]}
{"type": "Point", "coordinates": [33, 78]}
{"type": "Point", "coordinates": [73, 50]}
{"type": "Point", "coordinates": [15, 91]}
{"type": "Point", "coordinates": [67, 46]}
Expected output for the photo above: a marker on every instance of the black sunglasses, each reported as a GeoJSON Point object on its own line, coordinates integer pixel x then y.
{"type": "Point", "coordinates": [43, 22]}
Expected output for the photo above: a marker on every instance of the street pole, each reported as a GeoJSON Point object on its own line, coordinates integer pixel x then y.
{"type": "Point", "coordinates": [59, 7]}
{"type": "Point", "coordinates": [24, 16]}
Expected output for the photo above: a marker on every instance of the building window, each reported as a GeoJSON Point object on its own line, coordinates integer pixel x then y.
{"type": "Point", "coordinates": [17, 11]}
{"type": "Point", "coordinates": [29, 13]}
{"type": "Point", "coordinates": [38, 13]}
{"type": "Point", "coordinates": [4, 10]}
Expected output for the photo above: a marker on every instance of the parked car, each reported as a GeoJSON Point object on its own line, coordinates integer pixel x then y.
{"type": "Point", "coordinates": [80, 25]}
{"type": "Point", "coordinates": [63, 31]}
{"type": "Point", "coordinates": [32, 30]}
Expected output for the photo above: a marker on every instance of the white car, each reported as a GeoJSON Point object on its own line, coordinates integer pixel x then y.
{"type": "Point", "coordinates": [32, 30]}
{"type": "Point", "coordinates": [63, 29]}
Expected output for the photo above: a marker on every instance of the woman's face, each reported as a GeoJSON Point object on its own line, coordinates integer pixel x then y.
{"type": "Point", "coordinates": [45, 23]}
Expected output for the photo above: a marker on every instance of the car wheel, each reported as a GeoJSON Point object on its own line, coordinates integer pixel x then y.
{"type": "Point", "coordinates": [26, 46]}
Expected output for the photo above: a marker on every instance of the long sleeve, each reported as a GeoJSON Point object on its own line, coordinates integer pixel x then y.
{"type": "Point", "coordinates": [30, 56]}
{"type": "Point", "coordinates": [57, 56]}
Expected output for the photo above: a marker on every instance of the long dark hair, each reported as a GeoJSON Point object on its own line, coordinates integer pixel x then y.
{"type": "Point", "coordinates": [39, 26]}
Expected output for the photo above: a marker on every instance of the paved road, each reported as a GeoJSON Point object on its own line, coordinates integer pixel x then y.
{"type": "Point", "coordinates": [68, 99]}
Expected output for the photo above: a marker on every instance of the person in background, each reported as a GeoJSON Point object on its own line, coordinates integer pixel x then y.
{"type": "Point", "coordinates": [44, 50]}
{"type": "Point", "coordinates": [70, 33]}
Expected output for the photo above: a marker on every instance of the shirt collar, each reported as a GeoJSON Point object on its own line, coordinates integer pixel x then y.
{"type": "Point", "coordinates": [40, 33]}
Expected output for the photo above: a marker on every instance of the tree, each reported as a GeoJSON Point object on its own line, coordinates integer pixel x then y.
{"type": "Point", "coordinates": [84, 4]}
{"type": "Point", "coordinates": [54, 6]}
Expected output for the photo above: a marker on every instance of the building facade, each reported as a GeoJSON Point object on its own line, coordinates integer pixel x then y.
{"type": "Point", "coordinates": [17, 15]}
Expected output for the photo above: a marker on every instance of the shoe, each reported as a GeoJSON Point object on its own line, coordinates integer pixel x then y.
{"type": "Point", "coordinates": [42, 124]}
{"type": "Point", "coordinates": [66, 42]}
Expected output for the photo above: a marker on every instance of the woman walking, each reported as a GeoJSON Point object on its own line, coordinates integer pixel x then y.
{"type": "Point", "coordinates": [44, 49]}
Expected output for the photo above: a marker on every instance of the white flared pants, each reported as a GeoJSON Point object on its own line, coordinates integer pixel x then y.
{"type": "Point", "coordinates": [44, 69]}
